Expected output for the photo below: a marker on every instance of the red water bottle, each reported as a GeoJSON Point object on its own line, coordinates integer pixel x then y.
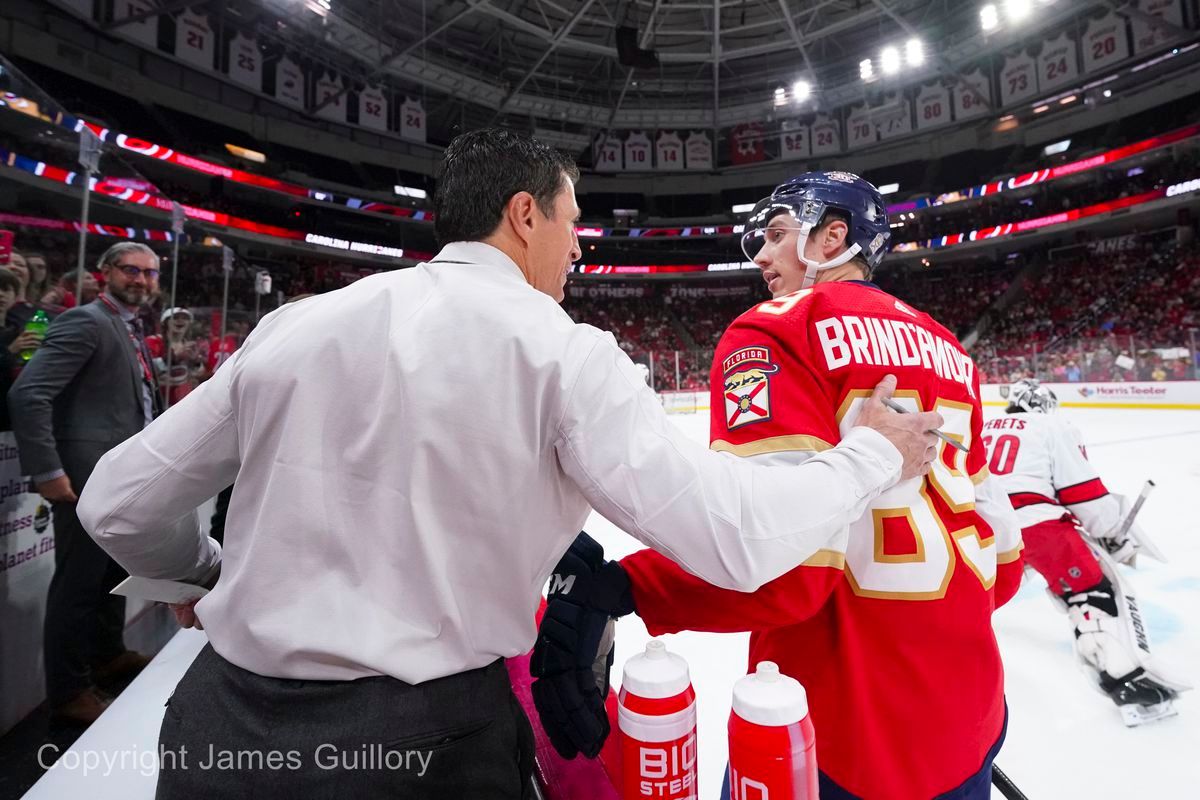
{"type": "Point", "coordinates": [656, 713]}
{"type": "Point", "coordinates": [772, 746]}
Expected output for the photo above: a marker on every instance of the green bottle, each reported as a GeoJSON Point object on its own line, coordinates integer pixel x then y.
{"type": "Point", "coordinates": [38, 323]}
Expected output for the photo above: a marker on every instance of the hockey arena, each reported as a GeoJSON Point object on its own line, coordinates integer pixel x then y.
{"type": "Point", "coordinates": [599, 399]}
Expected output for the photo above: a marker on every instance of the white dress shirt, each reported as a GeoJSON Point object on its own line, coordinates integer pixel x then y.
{"type": "Point", "coordinates": [414, 453]}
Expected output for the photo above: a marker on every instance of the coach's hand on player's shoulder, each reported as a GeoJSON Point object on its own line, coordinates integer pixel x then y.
{"type": "Point", "coordinates": [911, 434]}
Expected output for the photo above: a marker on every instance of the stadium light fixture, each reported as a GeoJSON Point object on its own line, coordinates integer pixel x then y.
{"type": "Point", "coordinates": [780, 96]}
{"type": "Point", "coordinates": [1057, 147]}
{"type": "Point", "coordinates": [989, 18]}
{"type": "Point", "coordinates": [801, 91]}
{"type": "Point", "coordinates": [889, 61]}
{"type": "Point", "coordinates": [914, 52]}
{"type": "Point", "coordinates": [889, 188]}
{"type": "Point", "coordinates": [246, 153]}
{"type": "Point", "coordinates": [866, 70]}
{"type": "Point", "coordinates": [410, 191]}
{"type": "Point", "coordinates": [1017, 10]}
{"type": "Point", "coordinates": [743, 208]}
{"type": "Point", "coordinates": [1068, 100]}
{"type": "Point", "coordinates": [1041, 108]}
{"type": "Point", "coordinates": [1107, 93]}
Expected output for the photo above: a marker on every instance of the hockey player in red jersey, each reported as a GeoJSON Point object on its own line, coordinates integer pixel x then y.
{"type": "Point", "coordinates": [888, 627]}
{"type": "Point", "coordinates": [1075, 535]}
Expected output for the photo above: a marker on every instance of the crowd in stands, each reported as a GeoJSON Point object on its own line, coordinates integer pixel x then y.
{"type": "Point", "coordinates": [1130, 315]}
{"type": "Point", "coordinates": [1125, 316]}
{"type": "Point", "coordinates": [1133, 315]}
{"type": "Point", "coordinates": [42, 271]}
{"type": "Point", "coordinates": [673, 330]}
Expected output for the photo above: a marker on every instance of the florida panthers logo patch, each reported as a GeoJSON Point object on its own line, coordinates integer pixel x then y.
{"type": "Point", "coordinates": [748, 374]}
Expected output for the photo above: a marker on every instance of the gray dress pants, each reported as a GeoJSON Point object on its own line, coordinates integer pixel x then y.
{"type": "Point", "coordinates": [229, 733]}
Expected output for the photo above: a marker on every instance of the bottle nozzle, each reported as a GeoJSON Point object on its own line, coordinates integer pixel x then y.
{"type": "Point", "coordinates": [767, 671]}
{"type": "Point", "coordinates": [656, 649]}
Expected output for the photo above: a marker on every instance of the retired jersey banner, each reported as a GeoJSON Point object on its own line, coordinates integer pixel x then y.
{"type": "Point", "coordinates": [1018, 78]}
{"type": "Point", "coordinates": [698, 148]}
{"type": "Point", "coordinates": [245, 62]}
{"type": "Point", "coordinates": [289, 83]}
{"type": "Point", "coordinates": [373, 108]}
{"type": "Point", "coordinates": [793, 140]}
{"type": "Point", "coordinates": [144, 31]}
{"type": "Point", "coordinates": [893, 118]}
{"type": "Point", "coordinates": [824, 136]}
{"type": "Point", "coordinates": [606, 153]}
{"type": "Point", "coordinates": [933, 106]}
{"type": "Point", "coordinates": [860, 131]}
{"type": "Point", "coordinates": [746, 143]}
{"type": "Point", "coordinates": [1058, 63]}
{"type": "Point", "coordinates": [412, 120]}
{"type": "Point", "coordinates": [668, 151]}
{"type": "Point", "coordinates": [329, 99]}
{"type": "Point", "coordinates": [637, 152]}
{"type": "Point", "coordinates": [972, 96]}
{"type": "Point", "coordinates": [1147, 36]}
{"type": "Point", "coordinates": [1104, 42]}
{"type": "Point", "coordinates": [195, 40]}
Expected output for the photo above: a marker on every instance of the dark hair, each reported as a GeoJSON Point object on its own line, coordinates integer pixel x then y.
{"type": "Point", "coordinates": [9, 281]}
{"type": "Point", "coordinates": [481, 172]}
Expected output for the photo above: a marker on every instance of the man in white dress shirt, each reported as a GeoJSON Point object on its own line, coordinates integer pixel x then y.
{"type": "Point", "coordinates": [413, 454]}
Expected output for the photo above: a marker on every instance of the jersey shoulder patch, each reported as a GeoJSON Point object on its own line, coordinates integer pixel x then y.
{"type": "Point", "coordinates": [746, 376]}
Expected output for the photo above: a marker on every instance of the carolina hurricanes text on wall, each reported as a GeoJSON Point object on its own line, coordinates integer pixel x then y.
{"type": "Point", "coordinates": [892, 343]}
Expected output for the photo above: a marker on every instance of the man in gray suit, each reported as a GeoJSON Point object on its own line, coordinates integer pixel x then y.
{"type": "Point", "coordinates": [90, 387]}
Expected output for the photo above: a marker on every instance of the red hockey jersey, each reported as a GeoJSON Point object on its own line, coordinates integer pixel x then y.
{"type": "Point", "coordinates": [889, 627]}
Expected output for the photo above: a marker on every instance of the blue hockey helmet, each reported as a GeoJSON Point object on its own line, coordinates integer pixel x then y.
{"type": "Point", "coordinates": [808, 197]}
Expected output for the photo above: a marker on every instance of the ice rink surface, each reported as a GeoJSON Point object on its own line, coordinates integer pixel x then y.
{"type": "Point", "coordinates": [1065, 740]}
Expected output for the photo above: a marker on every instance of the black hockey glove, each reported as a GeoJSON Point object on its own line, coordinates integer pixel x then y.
{"type": "Point", "coordinates": [573, 654]}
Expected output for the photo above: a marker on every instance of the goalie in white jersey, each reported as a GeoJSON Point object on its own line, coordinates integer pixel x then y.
{"type": "Point", "coordinates": [1075, 534]}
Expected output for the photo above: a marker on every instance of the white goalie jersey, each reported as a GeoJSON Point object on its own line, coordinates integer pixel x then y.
{"type": "Point", "coordinates": [1041, 462]}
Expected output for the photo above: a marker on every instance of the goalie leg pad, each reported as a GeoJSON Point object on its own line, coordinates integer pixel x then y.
{"type": "Point", "coordinates": [1111, 641]}
{"type": "Point", "coordinates": [1101, 638]}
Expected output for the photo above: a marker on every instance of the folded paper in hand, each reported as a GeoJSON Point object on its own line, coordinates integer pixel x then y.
{"type": "Point", "coordinates": [159, 590]}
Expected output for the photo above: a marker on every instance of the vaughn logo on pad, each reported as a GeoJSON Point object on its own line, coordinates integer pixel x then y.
{"type": "Point", "coordinates": [748, 386]}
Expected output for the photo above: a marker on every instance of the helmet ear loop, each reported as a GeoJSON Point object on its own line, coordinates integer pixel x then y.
{"type": "Point", "coordinates": [810, 266]}
{"type": "Point", "coordinates": [747, 236]}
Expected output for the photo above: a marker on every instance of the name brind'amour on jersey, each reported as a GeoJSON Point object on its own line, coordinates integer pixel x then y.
{"type": "Point", "coordinates": [863, 340]}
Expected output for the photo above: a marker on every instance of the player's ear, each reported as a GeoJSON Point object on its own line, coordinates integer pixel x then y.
{"type": "Point", "coordinates": [833, 238]}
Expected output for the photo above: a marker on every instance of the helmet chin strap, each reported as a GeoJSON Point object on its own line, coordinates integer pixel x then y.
{"type": "Point", "coordinates": [813, 267]}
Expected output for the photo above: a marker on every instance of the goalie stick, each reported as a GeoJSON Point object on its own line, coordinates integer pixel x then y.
{"type": "Point", "coordinates": [1143, 541]}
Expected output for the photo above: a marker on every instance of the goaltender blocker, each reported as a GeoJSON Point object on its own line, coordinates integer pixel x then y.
{"type": "Point", "coordinates": [888, 627]}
